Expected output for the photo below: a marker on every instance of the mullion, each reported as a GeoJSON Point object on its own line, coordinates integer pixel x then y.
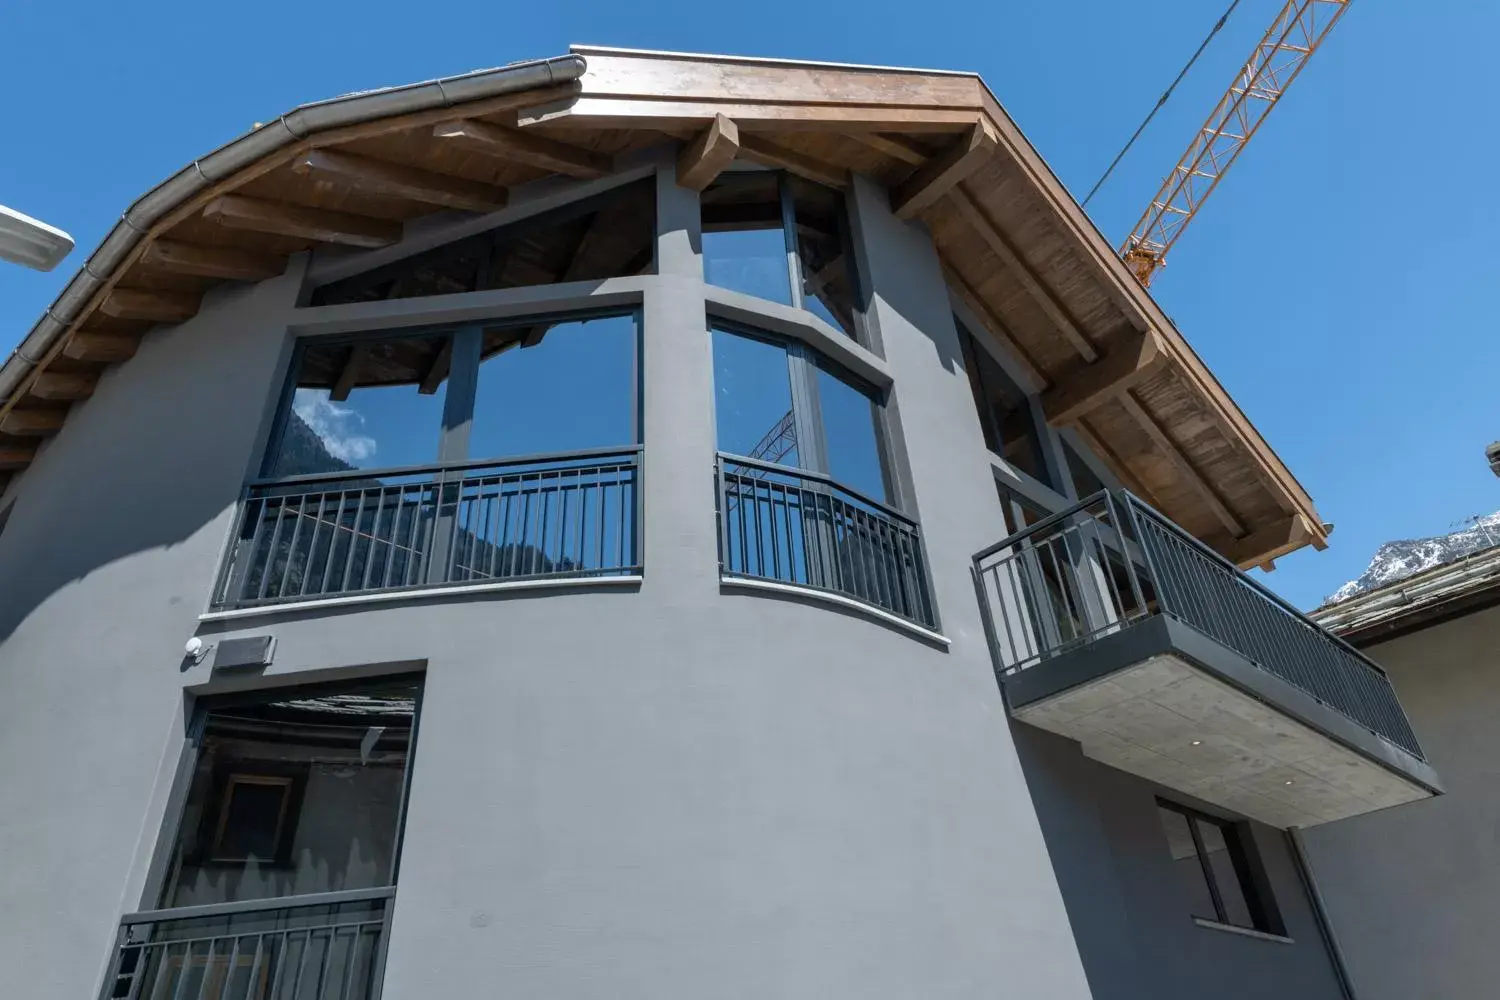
{"type": "Point", "coordinates": [789, 235]}
{"type": "Point", "coordinates": [1208, 872]}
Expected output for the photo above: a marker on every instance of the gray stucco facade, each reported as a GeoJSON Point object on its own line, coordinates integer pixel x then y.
{"type": "Point", "coordinates": [1425, 927]}
{"type": "Point", "coordinates": [668, 787]}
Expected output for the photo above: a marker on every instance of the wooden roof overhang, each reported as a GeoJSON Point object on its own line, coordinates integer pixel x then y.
{"type": "Point", "coordinates": [1018, 250]}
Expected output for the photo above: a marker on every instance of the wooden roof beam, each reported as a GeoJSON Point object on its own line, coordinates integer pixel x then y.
{"type": "Point", "coordinates": [63, 386]}
{"type": "Point", "coordinates": [224, 263]}
{"type": "Point", "coordinates": [344, 384]}
{"type": "Point", "coordinates": [316, 224]}
{"type": "Point", "coordinates": [996, 328]}
{"type": "Point", "coordinates": [30, 421]}
{"type": "Point", "coordinates": [154, 307]}
{"type": "Point", "coordinates": [1022, 272]}
{"type": "Point", "coordinates": [13, 457]}
{"type": "Point", "coordinates": [897, 147]}
{"type": "Point", "coordinates": [1265, 544]}
{"type": "Point", "coordinates": [438, 370]}
{"type": "Point", "coordinates": [772, 155]}
{"type": "Point", "coordinates": [107, 348]}
{"type": "Point", "coordinates": [1185, 468]}
{"type": "Point", "coordinates": [1086, 387]}
{"type": "Point", "coordinates": [524, 147]}
{"type": "Point", "coordinates": [937, 176]}
{"type": "Point", "coordinates": [708, 154]}
{"type": "Point", "coordinates": [365, 174]}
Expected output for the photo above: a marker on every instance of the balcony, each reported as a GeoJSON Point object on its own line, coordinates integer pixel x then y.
{"type": "Point", "coordinates": [800, 528]}
{"type": "Point", "coordinates": [556, 517]}
{"type": "Point", "coordinates": [1112, 626]}
{"type": "Point", "coordinates": [320, 947]}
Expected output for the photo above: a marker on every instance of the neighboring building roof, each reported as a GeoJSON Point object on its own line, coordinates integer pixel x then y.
{"type": "Point", "coordinates": [1437, 595]}
{"type": "Point", "coordinates": [1019, 251]}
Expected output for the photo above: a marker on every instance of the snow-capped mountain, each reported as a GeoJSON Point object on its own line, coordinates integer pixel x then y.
{"type": "Point", "coordinates": [1398, 560]}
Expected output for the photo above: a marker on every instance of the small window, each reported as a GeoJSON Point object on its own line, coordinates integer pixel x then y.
{"type": "Point", "coordinates": [256, 817]}
{"type": "Point", "coordinates": [1005, 415]}
{"type": "Point", "coordinates": [746, 246]}
{"type": "Point", "coordinates": [607, 236]}
{"type": "Point", "coordinates": [1213, 868]}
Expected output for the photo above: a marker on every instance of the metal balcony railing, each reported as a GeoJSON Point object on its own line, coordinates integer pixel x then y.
{"type": "Point", "coordinates": [321, 947]}
{"type": "Point", "coordinates": [1111, 560]}
{"type": "Point", "coordinates": [803, 528]}
{"type": "Point", "coordinates": [555, 516]}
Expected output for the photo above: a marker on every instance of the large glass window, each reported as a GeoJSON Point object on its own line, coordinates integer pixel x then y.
{"type": "Point", "coordinates": [295, 794]}
{"type": "Point", "coordinates": [760, 229]}
{"type": "Point", "coordinates": [1005, 415]}
{"type": "Point", "coordinates": [1213, 867]}
{"type": "Point", "coordinates": [780, 402]}
{"type": "Point", "coordinates": [610, 235]}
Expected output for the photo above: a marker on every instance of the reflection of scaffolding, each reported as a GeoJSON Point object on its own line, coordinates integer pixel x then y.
{"type": "Point", "coordinates": [778, 442]}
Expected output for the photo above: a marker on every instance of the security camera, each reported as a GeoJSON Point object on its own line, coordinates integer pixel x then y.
{"type": "Point", "coordinates": [195, 648]}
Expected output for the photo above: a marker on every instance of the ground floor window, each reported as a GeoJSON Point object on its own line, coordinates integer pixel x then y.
{"type": "Point", "coordinates": [1211, 860]}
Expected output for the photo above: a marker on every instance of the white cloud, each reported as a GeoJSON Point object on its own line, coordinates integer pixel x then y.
{"type": "Point", "coordinates": [336, 426]}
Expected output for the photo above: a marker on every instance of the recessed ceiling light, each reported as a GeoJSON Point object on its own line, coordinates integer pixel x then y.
{"type": "Point", "coordinates": [1289, 781]}
{"type": "Point", "coordinates": [1197, 743]}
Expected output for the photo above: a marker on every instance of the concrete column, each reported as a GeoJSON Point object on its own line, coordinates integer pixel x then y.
{"type": "Point", "coordinates": [681, 536]}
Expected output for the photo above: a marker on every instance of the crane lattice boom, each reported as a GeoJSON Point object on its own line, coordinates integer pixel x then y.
{"type": "Point", "coordinates": [1292, 38]}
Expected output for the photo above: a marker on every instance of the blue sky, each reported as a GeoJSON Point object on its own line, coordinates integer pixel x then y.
{"type": "Point", "coordinates": [1339, 284]}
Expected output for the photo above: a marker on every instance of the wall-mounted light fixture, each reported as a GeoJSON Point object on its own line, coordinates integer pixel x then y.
{"type": "Point", "coordinates": [30, 243]}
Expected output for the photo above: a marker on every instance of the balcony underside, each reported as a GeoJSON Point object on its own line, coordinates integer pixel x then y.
{"type": "Point", "coordinates": [1161, 700]}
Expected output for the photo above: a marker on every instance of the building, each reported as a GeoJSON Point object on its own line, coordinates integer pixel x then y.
{"type": "Point", "coordinates": [598, 497]}
{"type": "Point", "coordinates": [1421, 928]}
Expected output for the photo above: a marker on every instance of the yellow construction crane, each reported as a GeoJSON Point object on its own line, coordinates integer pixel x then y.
{"type": "Point", "coordinates": [1285, 48]}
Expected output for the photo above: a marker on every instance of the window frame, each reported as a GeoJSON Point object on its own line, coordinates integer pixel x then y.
{"type": "Point", "coordinates": [845, 236]}
{"type": "Point", "coordinates": [1252, 885]}
{"type": "Point", "coordinates": [803, 362]}
{"type": "Point", "coordinates": [1041, 434]}
{"type": "Point", "coordinates": [455, 426]}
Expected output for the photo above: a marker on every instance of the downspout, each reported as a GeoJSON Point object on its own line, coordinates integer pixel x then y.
{"type": "Point", "coordinates": [298, 124]}
{"type": "Point", "coordinates": [1320, 913]}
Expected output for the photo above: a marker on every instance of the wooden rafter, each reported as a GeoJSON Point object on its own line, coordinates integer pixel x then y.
{"type": "Point", "coordinates": [707, 155]}
{"type": "Point", "coordinates": [1119, 467]}
{"type": "Point", "coordinates": [524, 147]}
{"type": "Point", "coordinates": [1189, 472]}
{"type": "Point", "coordinates": [155, 307]}
{"type": "Point", "coordinates": [15, 457]}
{"type": "Point", "coordinates": [317, 224]}
{"type": "Point", "coordinates": [438, 370]}
{"type": "Point", "coordinates": [110, 348]}
{"type": "Point", "coordinates": [939, 175]}
{"type": "Point", "coordinates": [1086, 387]}
{"type": "Point", "coordinates": [395, 180]}
{"type": "Point", "coordinates": [643, 113]}
{"type": "Point", "coordinates": [29, 421]}
{"type": "Point", "coordinates": [63, 386]}
{"type": "Point", "coordinates": [1022, 272]}
{"type": "Point", "coordinates": [1265, 544]}
{"type": "Point", "coordinates": [349, 374]}
{"type": "Point", "coordinates": [222, 263]}
{"type": "Point", "coordinates": [773, 155]}
{"type": "Point", "coordinates": [896, 146]}
{"type": "Point", "coordinates": [996, 328]}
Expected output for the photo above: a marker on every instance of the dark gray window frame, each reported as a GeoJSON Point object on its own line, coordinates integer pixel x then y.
{"type": "Point", "coordinates": [851, 248]}
{"type": "Point", "coordinates": [1253, 883]}
{"type": "Point", "coordinates": [803, 362]}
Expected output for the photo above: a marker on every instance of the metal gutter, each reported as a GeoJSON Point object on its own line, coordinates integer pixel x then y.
{"type": "Point", "coordinates": [297, 124]}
